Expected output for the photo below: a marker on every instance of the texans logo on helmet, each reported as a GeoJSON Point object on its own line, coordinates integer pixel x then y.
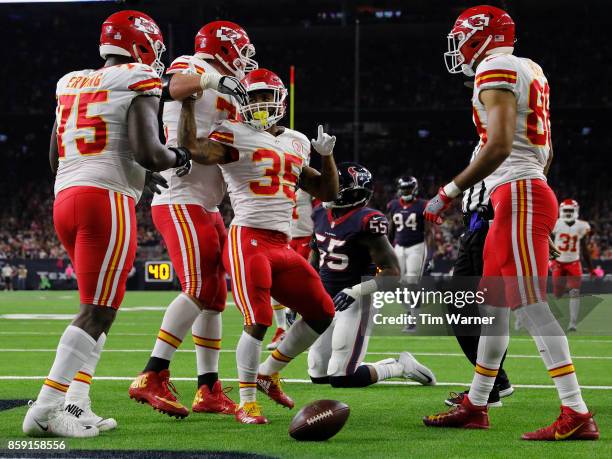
{"type": "Point", "coordinates": [356, 174]}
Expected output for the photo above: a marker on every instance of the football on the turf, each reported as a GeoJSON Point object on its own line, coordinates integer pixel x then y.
{"type": "Point", "coordinates": [319, 420]}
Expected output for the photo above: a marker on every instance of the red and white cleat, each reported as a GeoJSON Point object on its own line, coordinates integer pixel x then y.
{"type": "Point", "coordinates": [465, 416]}
{"type": "Point", "coordinates": [279, 335]}
{"type": "Point", "coordinates": [271, 386]}
{"type": "Point", "coordinates": [213, 401]}
{"type": "Point", "coordinates": [250, 413]}
{"type": "Point", "coordinates": [156, 390]}
{"type": "Point", "coordinates": [570, 425]}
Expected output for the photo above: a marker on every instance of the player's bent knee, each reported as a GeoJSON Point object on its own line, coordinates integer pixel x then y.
{"type": "Point", "coordinates": [360, 378]}
{"type": "Point", "coordinates": [574, 293]}
{"type": "Point", "coordinates": [319, 325]}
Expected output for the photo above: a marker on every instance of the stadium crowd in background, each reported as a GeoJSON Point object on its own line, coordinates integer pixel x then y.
{"type": "Point", "coordinates": [428, 148]}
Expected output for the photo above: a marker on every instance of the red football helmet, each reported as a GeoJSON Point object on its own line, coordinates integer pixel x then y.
{"type": "Point", "coordinates": [227, 43]}
{"type": "Point", "coordinates": [262, 115]}
{"type": "Point", "coordinates": [133, 34]}
{"type": "Point", "coordinates": [569, 210]}
{"type": "Point", "coordinates": [478, 30]}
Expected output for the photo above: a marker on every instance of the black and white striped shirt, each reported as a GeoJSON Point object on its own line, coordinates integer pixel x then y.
{"type": "Point", "coordinates": [478, 195]}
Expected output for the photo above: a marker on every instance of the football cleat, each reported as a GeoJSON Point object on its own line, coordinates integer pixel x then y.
{"type": "Point", "coordinates": [271, 386]}
{"type": "Point", "coordinates": [156, 390]}
{"type": "Point", "coordinates": [81, 409]}
{"type": "Point", "coordinates": [53, 421]}
{"type": "Point", "coordinates": [250, 413]}
{"type": "Point", "coordinates": [213, 401]}
{"type": "Point", "coordinates": [415, 370]}
{"type": "Point", "coordinates": [571, 328]}
{"type": "Point", "coordinates": [465, 416]}
{"type": "Point", "coordinates": [279, 335]}
{"type": "Point", "coordinates": [455, 399]}
{"type": "Point", "coordinates": [570, 425]}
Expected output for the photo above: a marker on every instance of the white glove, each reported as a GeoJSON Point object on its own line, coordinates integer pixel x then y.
{"type": "Point", "coordinates": [324, 145]}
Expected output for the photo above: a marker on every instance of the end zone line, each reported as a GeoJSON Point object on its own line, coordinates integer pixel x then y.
{"type": "Point", "coordinates": [427, 354]}
{"type": "Point", "coordinates": [307, 381]}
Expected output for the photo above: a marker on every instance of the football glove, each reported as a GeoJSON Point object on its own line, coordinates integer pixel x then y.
{"type": "Point", "coordinates": [435, 206]}
{"type": "Point", "coordinates": [343, 300]}
{"type": "Point", "coordinates": [183, 160]}
{"type": "Point", "coordinates": [153, 180]}
{"type": "Point", "coordinates": [324, 144]}
{"type": "Point", "coordinates": [225, 84]}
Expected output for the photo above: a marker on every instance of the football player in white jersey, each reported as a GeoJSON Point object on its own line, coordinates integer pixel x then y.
{"type": "Point", "coordinates": [570, 236]}
{"type": "Point", "coordinates": [511, 113]}
{"type": "Point", "coordinates": [301, 234]}
{"type": "Point", "coordinates": [187, 216]}
{"type": "Point", "coordinates": [105, 135]}
{"type": "Point", "coordinates": [262, 163]}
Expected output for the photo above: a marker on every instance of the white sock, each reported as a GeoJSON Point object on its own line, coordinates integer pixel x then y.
{"type": "Point", "coordinates": [73, 350]}
{"type": "Point", "coordinates": [280, 316]}
{"type": "Point", "coordinates": [554, 349]}
{"type": "Point", "coordinates": [387, 370]}
{"type": "Point", "coordinates": [79, 387]}
{"type": "Point", "coordinates": [248, 353]}
{"type": "Point", "coordinates": [206, 333]}
{"type": "Point", "coordinates": [491, 350]}
{"type": "Point", "coordinates": [574, 307]}
{"type": "Point", "coordinates": [298, 338]}
{"type": "Point", "coordinates": [179, 317]}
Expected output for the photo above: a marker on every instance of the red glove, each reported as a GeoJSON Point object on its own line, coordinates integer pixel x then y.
{"type": "Point", "coordinates": [435, 206]}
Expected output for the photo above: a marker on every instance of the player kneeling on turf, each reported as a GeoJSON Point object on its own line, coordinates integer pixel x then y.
{"type": "Point", "coordinates": [262, 163]}
{"type": "Point", "coordinates": [352, 243]}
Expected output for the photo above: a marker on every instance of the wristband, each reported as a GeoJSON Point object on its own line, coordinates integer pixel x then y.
{"type": "Point", "coordinates": [209, 81]}
{"type": "Point", "coordinates": [452, 190]}
{"type": "Point", "coordinates": [183, 155]}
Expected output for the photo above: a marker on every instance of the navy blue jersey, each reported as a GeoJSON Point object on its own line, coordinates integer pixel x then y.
{"type": "Point", "coordinates": [408, 221]}
{"type": "Point", "coordinates": [343, 259]}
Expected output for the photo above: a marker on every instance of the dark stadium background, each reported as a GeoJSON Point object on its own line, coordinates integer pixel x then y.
{"type": "Point", "coordinates": [412, 116]}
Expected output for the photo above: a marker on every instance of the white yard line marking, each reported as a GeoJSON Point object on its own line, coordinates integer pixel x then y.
{"type": "Point", "coordinates": [307, 381]}
{"type": "Point", "coordinates": [429, 354]}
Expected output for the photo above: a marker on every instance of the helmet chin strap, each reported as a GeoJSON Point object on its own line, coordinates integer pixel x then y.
{"type": "Point", "coordinates": [467, 69]}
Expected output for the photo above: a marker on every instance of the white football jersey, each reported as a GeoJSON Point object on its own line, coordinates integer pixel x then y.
{"type": "Point", "coordinates": [204, 184]}
{"type": "Point", "coordinates": [531, 144]}
{"type": "Point", "coordinates": [301, 223]}
{"type": "Point", "coordinates": [262, 176]}
{"type": "Point", "coordinates": [568, 237]}
{"type": "Point", "coordinates": [92, 130]}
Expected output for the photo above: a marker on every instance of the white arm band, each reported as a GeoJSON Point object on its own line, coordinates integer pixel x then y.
{"type": "Point", "coordinates": [452, 190]}
{"type": "Point", "coordinates": [365, 288]}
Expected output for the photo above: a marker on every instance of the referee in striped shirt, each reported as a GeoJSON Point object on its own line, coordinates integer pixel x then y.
{"type": "Point", "coordinates": [477, 212]}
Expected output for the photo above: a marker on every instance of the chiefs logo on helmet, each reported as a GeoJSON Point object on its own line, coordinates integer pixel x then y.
{"type": "Point", "coordinates": [477, 22]}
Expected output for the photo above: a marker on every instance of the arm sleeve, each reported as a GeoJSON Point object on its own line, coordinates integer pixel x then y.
{"type": "Point", "coordinates": [143, 80]}
{"type": "Point", "coordinates": [497, 72]}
